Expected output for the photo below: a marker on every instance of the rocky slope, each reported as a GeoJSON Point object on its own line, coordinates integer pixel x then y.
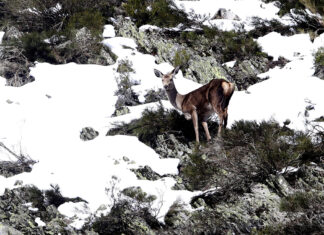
{"type": "Point", "coordinates": [260, 178]}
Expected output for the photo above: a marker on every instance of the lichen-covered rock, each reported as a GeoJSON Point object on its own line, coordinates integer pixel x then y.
{"type": "Point", "coordinates": [122, 110]}
{"type": "Point", "coordinates": [223, 13]}
{"type": "Point", "coordinates": [169, 147]}
{"type": "Point", "coordinates": [8, 230]}
{"type": "Point", "coordinates": [88, 133]}
{"type": "Point", "coordinates": [146, 173]}
{"type": "Point", "coordinates": [8, 168]}
{"type": "Point", "coordinates": [12, 33]}
{"type": "Point", "coordinates": [200, 68]}
{"type": "Point", "coordinates": [319, 72]}
{"type": "Point", "coordinates": [245, 73]}
{"type": "Point", "coordinates": [20, 207]}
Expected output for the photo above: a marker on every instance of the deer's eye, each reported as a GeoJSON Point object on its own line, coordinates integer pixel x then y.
{"type": "Point", "coordinates": [171, 79]}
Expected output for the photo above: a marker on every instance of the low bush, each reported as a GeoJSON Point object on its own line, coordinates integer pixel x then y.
{"type": "Point", "coordinates": [263, 27]}
{"type": "Point", "coordinates": [50, 15]}
{"type": "Point", "coordinates": [238, 45]}
{"type": "Point", "coordinates": [163, 13]}
{"type": "Point", "coordinates": [199, 173]}
{"type": "Point", "coordinates": [92, 20]}
{"type": "Point", "coordinates": [125, 66]}
{"type": "Point", "coordinates": [319, 57]}
{"type": "Point", "coordinates": [34, 48]}
{"type": "Point", "coordinates": [126, 218]}
{"type": "Point", "coordinates": [275, 147]}
{"type": "Point", "coordinates": [299, 202]}
{"type": "Point", "coordinates": [157, 122]}
{"type": "Point", "coordinates": [181, 58]}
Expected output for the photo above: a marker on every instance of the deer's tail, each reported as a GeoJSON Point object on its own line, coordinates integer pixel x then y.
{"type": "Point", "coordinates": [227, 92]}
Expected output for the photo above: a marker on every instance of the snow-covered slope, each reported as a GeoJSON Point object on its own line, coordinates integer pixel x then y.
{"type": "Point", "coordinates": [43, 119]}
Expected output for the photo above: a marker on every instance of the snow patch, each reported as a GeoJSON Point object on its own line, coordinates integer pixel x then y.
{"type": "Point", "coordinates": [1, 36]}
{"type": "Point", "coordinates": [39, 222]}
{"type": "Point", "coordinates": [109, 31]}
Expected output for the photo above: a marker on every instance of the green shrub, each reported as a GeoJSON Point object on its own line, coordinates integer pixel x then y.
{"type": "Point", "coordinates": [45, 19]}
{"type": "Point", "coordinates": [125, 66]}
{"type": "Point", "coordinates": [301, 201]}
{"type": "Point", "coordinates": [210, 32]}
{"type": "Point", "coordinates": [92, 20]}
{"type": "Point", "coordinates": [319, 57]}
{"type": "Point", "coordinates": [34, 47]}
{"type": "Point", "coordinates": [157, 122]}
{"type": "Point", "coordinates": [126, 218]}
{"type": "Point", "coordinates": [199, 172]}
{"type": "Point", "coordinates": [276, 147]}
{"type": "Point", "coordinates": [137, 9]}
{"type": "Point", "coordinates": [236, 45]}
{"type": "Point", "coordinates": [181, 58]}
{"type": "Point", "coordinates": [262, 27]}
{"type": "Point", "coordinates": [162, 13]}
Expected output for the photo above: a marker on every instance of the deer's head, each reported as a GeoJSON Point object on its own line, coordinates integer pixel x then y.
{"type": "Point", "coordinates": [167, 79]}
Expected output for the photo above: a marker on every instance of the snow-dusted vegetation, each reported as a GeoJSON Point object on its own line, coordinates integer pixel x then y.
{"type": "Point", "coordinates": [90, 144]}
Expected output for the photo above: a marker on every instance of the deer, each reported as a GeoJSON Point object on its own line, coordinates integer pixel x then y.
{"type": "Point", "coordinates": [201, 103]}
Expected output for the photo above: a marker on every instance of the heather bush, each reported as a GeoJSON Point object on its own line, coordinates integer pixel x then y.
{"type": "Point", "coordinates": [162, 13]}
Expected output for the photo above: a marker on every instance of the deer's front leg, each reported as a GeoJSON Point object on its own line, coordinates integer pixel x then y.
{"type": "Point", "coordinates": [194, 116]}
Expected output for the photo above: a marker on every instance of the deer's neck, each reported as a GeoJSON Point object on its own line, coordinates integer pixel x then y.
{"type": "Point", "coordinates": [175, 98]}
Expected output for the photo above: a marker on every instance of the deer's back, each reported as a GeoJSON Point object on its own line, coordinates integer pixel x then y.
{"type": "Point", "coordinates": [199, 98]}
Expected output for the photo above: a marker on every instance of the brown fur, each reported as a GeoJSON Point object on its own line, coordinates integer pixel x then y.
{"type": "Point", "coordinates": [201, 103]}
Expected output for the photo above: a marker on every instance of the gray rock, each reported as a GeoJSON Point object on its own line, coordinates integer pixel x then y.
{"type": "Point", "coordinates": [122, 110]}
{"type": "Point", "coordinates": [88, 133]}
{"type": "Point", "coordinates": [155, 96]}
{"type": "Point", "coordinates": [82, 36]}
{"type": "Point", "coordinates": [12, 33]}
{"type": "Point", "coordinates": [8, 168]}
{"type": "Point", "coordinates": [245, 73]}
{"type": "Point", "coordinates": [319, 72]}
{"type": "Point", "coordinates": [146, 173]}
{"type": "Point", "coordinates": [169, 147]}
{"type": "Point", "coordinates": [227, 14]}
{"type": "Point", "coordinates": [7, 230]}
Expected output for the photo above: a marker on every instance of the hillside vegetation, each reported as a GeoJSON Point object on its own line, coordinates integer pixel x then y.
{"type": "Point", "coordinates": [260, 177]}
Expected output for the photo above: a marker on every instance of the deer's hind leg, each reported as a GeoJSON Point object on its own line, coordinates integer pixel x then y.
{"type": "Point", "coordinates": [205, 126]}
{"type": "Point", "coordinates": [215, 101]}
{"type": "Point", "coordinates": [225, 117]}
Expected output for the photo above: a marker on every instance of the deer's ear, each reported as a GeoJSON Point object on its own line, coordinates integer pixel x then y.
{"type": "Point", "coordinates": [176, 70]}
{"type": "Point", "coordinates": [158, 73]}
